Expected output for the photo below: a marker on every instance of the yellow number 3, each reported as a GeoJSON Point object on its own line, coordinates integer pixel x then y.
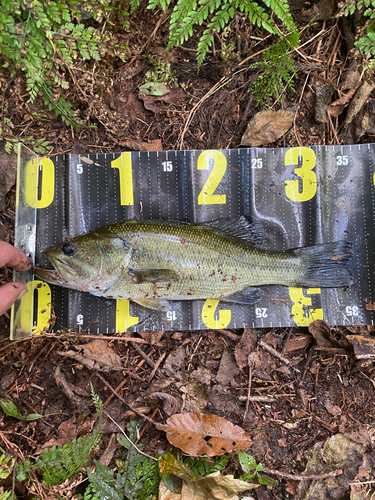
{"type": "Point", "coordinates": [305, 172]}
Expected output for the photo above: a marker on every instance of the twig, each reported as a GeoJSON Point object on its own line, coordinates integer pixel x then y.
{"type": "Point", "coordinates": [130, 441]}
{"type": "Point", "coordinates": [299, 477]}
{"type": "Point", "coordinates": [144, 355]}
{"type": "Point", "coordinates": [129, 405]}
{"type": "Point", "coordinates": [256, 399]}
{"type": "Point", "coordinates": [251, 362]}
{"type": "Point", "coordinates": [230, 335]}
{"type": "Point", "coordinates": [157, 364]}
{"type": "Point", "coordinates": [273, 351]}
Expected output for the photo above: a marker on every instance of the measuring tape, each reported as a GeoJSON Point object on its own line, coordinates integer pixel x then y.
{"type": "Point", "coordinates": [302, 196]}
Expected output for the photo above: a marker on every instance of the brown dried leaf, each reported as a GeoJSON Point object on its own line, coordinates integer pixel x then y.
{"type": "Point", "coordinates": [369, 306]}
{"type": "Point", "coordinates": [97, 355]}
{"type": "Point", "coordinates": [358, 101]}
{"type": "Point", "coordinates": [338, 106]}
{"type": "Point", "coordinates": [189, 431]}
{"type": "Point", "coordinates": [332, 408]}
{"type": "Point", "coordinates": [245, 346]}
{"type": "Point", "coordinates": [169, 402]}
{"type": "Point", "coordinates": [227, 369]}
{"type": "Point", "coordinates": [268, 126]}
{"type": "Point", "coordinates": [321, 331]}
{"type": "Point", "coordinates": [66, 432]}
{"type": "Point", "coordinates": [297, 342]}
{"type": "Point", "coordinates": [136, 145]}
{"type": "Point", "coordinates": [212, 487]}
{"type": "Point", "coordinates": [153, 338]}
{"type": "Point", "coordinates": [8, 169]}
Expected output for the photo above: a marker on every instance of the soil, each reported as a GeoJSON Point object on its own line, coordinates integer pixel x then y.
{"type": "Point", "coordinates": [316, 390]}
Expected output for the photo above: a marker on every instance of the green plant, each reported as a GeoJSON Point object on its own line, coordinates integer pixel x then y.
{"type": "Point", "coordinates": [61, 462]}
{"type": "Point", "coordinates": [366, 39]}
{"type": "Point", "coordinates": [40, 38]}
{"type": "Point", "coordinates": [138, 476]}
{"type": "Point", "coordinates": [277, 71]}
{"type": "Point", "coordinates": [188, 14]}
{"type": "Point", "coordinates": [162, 72]}
{"type": "Point", "coordinates": [205, 466]}
{"type": "Point", "coordinates": [252, 469]}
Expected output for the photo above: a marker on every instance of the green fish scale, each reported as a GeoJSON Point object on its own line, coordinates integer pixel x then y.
{"type": "Point", "coordinates": [207, 264]}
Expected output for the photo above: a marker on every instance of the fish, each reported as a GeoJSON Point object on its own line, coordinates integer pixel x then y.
{"type": "Point", "coordinates": [157, 261]}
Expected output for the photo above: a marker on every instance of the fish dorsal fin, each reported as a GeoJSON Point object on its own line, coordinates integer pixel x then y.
{"type": "Point", "coordinates": [240, 228]}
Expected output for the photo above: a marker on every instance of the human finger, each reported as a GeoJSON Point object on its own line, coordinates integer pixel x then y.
{"type": "Point", "coordinates": [9, 293]}
{"type": "Point", "coordinates": [11, 256]}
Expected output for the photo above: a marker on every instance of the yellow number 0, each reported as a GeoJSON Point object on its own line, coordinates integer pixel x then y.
{"type": "Point", "coordinates": [298, 312]}
{"type": "Point", "coordinates": [124, 165]}
{"type": "Point", "coordinates": [207, 196]}
{"type": "Point", "coordinates": [47, 183]}
{"type": "Point", "coordinates": [305, 172]}
{"type": "Point", "coordinates": [44, 307]}
{"type": "Point", "coordinates": [208, 315]}
{"type": "Point", "coordinates": [123, 318]}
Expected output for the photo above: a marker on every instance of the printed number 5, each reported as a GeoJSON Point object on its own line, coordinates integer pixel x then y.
{"type": "Point", "coordinates": [305, 172]}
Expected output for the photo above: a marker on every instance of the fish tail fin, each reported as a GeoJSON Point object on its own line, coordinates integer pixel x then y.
{"type": "Point", "coordinates": [326, 265]}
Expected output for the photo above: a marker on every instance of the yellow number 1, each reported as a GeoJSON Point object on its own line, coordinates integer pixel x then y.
{"type": "Point", "coordinates": [124, 165]}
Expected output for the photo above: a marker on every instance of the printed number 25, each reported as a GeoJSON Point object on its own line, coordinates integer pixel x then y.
{"type": "Point", "coordinates": [219, 166]}
{"type": "Point", "coordinates": [294, 189]}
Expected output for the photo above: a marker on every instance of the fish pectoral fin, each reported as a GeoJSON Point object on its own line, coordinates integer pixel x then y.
{"type": "Point", "coordinates": [152, 275]}
{"type": "Point", "coordinates": [155, 304]}
{"type": "Point", "coordinates": [248, 296]}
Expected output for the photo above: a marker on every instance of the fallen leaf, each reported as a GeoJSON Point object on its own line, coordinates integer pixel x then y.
{"type": "Point", "coordinates": [96, 355]}
{"type": "Point", "coordinates": [215, 487]}
{"type": "Point", "coordinates": [153, 338]}
{"type": "Point", "coordinates": [358, 101]}
{"type": "Point", "coordinates": [323, 96]}
{"type": "Point", "coordinates": [338, 106]}
{"type": "Point", "coordinates": [154, 88]}
{"type": "Point", "coordinates": [245, 346]}
{"type": "Point", "coordinates": [190, 433]}
{"type": "Point", "coordinates": [297, 342]}
{"type": "Point", "coordinates": [168, 401]}
{"type": "Point", "coordinates": [66, 432]}
{"type": "Point", "coordinates": [268, 126]}
{"type": "Point", "coordinates": [321, 331]}
{"type": "Point", "coordinates": [332, 408]}
{"type": "Point", "coordinates": [228, 368]}
{"type": "Point", "coordinates": [136, 145]}
{"type": "Point", "coordinates": [195, 487]}
{"type": "Point", "coordinates": [338, 452]}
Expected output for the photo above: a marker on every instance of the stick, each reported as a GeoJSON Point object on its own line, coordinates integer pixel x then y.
{"type": "Point", "coordinates": [273, 351]}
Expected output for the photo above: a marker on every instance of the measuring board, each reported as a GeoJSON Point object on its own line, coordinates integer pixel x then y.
{"type": "Point", "coordinates": [302, 196]}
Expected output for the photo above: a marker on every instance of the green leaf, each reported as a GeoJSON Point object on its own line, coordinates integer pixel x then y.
{"type": "Point", "coordinates": [247, 462]}
{"type": "Point", "coordinates": [266, 481]}
{"type": "Point", "coordinates": [10, 409]}
{"type": "Point", "coordinates": [154, 88]}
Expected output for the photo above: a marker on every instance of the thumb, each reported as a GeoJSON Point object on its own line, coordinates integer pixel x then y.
{"type": "Point", "coordinates": [9, 293]}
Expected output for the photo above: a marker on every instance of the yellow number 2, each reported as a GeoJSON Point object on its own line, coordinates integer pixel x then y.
{"type": "Point", "coordinates": [207, 196]}
{"type": "Point", "coordinates": [298, 309]}
{"type": "Point", "coordinates": [305, 172]}
{"type": "Point", "coordinates": [208, 315]}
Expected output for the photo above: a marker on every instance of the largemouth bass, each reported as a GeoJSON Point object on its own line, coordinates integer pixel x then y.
{"type": "Point", "coordinates": [150, 262]}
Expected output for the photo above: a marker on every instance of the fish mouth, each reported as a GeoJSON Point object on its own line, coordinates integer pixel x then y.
{"type": "Point", "coordinates": [49, 275]}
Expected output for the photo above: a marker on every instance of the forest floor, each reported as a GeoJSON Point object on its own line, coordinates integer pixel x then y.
{"type": "Point", "coordinates": [315, 391]}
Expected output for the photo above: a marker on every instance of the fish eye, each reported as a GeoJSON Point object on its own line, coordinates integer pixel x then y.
{"type": "Point", "coordinates": [69, 248]}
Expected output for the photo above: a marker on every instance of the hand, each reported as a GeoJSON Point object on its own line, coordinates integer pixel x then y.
{"type": "Point", "coordinates": [10, 292]}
